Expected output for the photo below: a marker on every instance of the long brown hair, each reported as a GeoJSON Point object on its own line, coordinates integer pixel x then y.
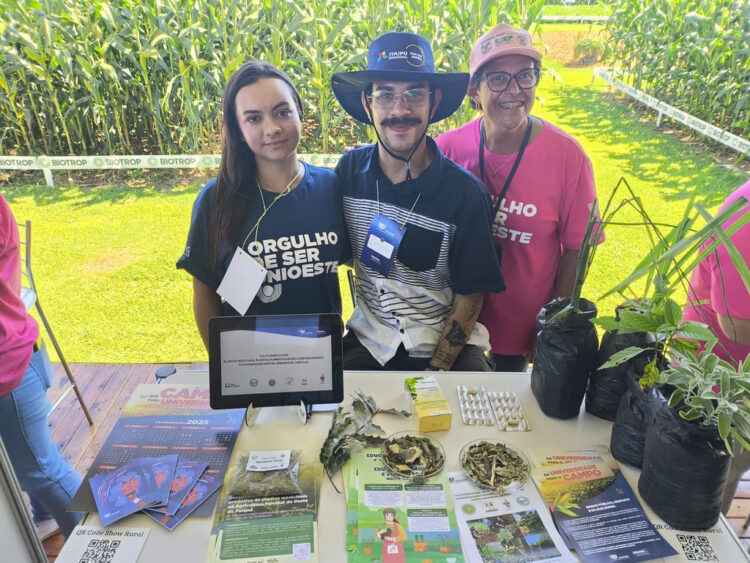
{"type": "Point", "coordinates": [232, 195]}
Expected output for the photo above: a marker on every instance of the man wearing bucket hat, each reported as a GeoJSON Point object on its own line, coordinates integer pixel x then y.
{"type": "Point", "coordinates": [419, 224]}
{"type": "Point", "coordinates": [540, 179]}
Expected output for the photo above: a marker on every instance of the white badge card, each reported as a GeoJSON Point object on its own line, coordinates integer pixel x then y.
{"type": "Point", "coordinates": [381, 245]}
{"type": "Point", "coordinates": [268, 460]}
{"type": "Point", "coordinates": [242, 280]}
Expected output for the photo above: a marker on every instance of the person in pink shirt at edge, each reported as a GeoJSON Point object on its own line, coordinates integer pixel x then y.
{"type": "Point", "coordinates": [719, 298]}
{"type": "Point", "coordinates": [25, 376]}
{"type": "Point", "coordinates": [541, 219]}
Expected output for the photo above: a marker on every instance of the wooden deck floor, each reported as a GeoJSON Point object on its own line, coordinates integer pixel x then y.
{"type": "Point", "coordinates": [106, 389]}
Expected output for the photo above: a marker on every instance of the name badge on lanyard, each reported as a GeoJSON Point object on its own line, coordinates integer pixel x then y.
{"type": "Point", "coordinates": [242, 280]}
{"type": "Point", "coordinates": [383, 240]}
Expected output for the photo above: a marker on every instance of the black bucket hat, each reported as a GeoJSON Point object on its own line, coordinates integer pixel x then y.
{"type": "Point", "coordinates": [401, 57]}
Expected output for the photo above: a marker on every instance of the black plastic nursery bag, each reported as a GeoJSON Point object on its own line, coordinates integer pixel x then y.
{"type": "Point", "coordinates": [631, 421]}
{"type": "Point", "coordinates": [565, 354]}
{"type": "Point", "coordinates": [685, 469]}
{"type": "Point", "coordinates": [606, 386]}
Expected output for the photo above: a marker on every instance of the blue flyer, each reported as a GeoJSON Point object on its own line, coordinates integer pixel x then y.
{"type": "Point", "coordinates": [186, 475]}
{"type": "Point", "coordinates": [206, 486]}
{"type": "Point", "coordinates": [144, 482]}
{"type": "Point", "coordinates": [611, 526]}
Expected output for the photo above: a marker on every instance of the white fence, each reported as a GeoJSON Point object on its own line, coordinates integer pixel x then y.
{"type": "Point", "coordinates": [727, 139]}
{"type": "Point", "coordinates": [138, 161]}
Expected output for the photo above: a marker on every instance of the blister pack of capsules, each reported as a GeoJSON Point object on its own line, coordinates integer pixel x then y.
{"type": "Point", "coordinates": [508, 411]}
{"type": "Point", "coordinates": [482, 407]}
{"type": "Point", "coordinates": [475, 405]}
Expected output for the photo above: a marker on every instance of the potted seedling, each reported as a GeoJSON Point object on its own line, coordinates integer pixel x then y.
{"type": "Point", "coordinates": [662, 321]}
{"type": "Point", "coordinates": [666, 268]}
{"type": "Point", "coordinates": [608, 383]}
{"type": "Point", "coordinates": [419, 543]}
{"type": "Point", "coordinates": [567, 342]}
{"type": "Point", "coordinates": [689, 441]}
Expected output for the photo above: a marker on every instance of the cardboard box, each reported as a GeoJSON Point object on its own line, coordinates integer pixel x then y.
{"type": "Point", "coordinates": [429, 406]}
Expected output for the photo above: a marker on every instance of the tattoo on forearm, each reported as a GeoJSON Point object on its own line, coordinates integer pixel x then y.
{"type": "Point", "coordinates": [444, 357]}
{"type": "Point", "coordinates": [455, 336]}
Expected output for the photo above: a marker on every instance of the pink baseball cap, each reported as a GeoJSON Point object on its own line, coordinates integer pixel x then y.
{"type": "Point", "coordinates": [501, 40]}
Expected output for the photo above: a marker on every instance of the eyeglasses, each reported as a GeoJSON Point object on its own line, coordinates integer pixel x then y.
{"type": "Point", "coordinates": [500, 81]}
{"type": "Point", "coordinates": [382, 99]}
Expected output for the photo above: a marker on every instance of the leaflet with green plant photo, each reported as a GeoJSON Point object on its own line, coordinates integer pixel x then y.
{"type": "Point", "coordinates": [403, 521]}
{"type": "Point", "coordinates": [513, 525]}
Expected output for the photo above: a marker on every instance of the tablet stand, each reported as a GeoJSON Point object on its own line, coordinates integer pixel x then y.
{"type": "Point", "coordinates": [305, 411]}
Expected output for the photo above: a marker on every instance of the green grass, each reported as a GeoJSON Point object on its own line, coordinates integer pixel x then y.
{"type": "Point", "coordinates": [661, 169]}
{"type": "Point", "coordinates": [104, 257]}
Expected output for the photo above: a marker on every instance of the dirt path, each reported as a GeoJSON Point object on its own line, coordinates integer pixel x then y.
{"type": "Point", "coordinates": [560, 44]}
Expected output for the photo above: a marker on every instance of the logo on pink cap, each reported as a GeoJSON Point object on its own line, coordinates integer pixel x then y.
{"type": "Point", "coordinates": [501, 40]}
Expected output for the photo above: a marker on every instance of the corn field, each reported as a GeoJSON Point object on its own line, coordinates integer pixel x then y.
{"type": "Point", "coordinates": [132, 77]}
{"type": "Point", "coordinates": [692, 54]}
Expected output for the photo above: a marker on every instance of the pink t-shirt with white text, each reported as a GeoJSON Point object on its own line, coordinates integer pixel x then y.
{"type": "Point", "coordinates": [729, 298]}
{"type": "Point", "coordinates": [18, 331]}
{"type": "Point", "coordinates": [544, 211]}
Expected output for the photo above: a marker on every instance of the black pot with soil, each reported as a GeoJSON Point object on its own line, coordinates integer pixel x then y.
{"type": "Point", "coordinates": [685, 469]}
{"type": "Point", "coordinates": [607, 386]}
{"type": "Point", "coordinates": [631, 421]}
{"type": "Point", "coordinates": [565, 354]}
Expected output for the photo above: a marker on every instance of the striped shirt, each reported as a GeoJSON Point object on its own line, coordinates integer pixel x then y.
{"type": "Point", "coordinates": [447, 249]}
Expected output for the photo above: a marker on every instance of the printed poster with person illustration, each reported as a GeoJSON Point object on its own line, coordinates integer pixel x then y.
{"type": "Point", "coordinates": [399, 521]}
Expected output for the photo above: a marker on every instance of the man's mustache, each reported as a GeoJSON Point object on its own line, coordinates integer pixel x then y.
{"type": "Point", "coordinates": [397, 121]}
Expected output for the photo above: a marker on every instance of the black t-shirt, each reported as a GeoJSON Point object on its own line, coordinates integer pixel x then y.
{"type": "Point", "coordinates": [300, 241]}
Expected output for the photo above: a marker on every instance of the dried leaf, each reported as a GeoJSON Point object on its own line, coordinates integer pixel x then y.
{"type": "Point", "coordinates": [348, 433]}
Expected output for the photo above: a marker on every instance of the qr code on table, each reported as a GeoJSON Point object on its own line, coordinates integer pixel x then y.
{"type": "Point", "coordinates": [100, 551]}
{"type": "Point", "coordinates": [696, 548]}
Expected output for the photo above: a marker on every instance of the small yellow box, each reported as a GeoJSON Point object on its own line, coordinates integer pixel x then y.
{"type": "Point", "coordinates": [429, 406]}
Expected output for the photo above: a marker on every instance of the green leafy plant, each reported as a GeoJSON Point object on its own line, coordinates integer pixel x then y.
{"type": "Point", "coordinates": [589, 47]}
{"type": "Point", "coordinates": [689, 53]}
{"type": "Point", "coordinates": [662, 319]}
{"type": "Point", "coordinates": [351, 431]}
{"type": "Point", "coordinates": [711, 393]}
{"type": "Point", "coordinates": [123, 77]}
{"type": "Point", "coordinates": [666, 267]}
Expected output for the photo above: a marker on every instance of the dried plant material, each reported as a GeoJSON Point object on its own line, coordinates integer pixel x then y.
{"type": "Point", "coordinates": [350, 432]}
{"type": "Point", "coordinates": [493, 465]}
{"type": "Point", "coordinates": [413, 455]}
{"type": "Point", "coordinates": [266, 483]}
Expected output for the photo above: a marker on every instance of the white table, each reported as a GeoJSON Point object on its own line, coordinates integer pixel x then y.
{"type": "Point", "coordinates": [279, 427]}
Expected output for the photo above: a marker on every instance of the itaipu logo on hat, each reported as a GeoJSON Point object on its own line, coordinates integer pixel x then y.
{"type": "Point", "coordinates": [412, 54]}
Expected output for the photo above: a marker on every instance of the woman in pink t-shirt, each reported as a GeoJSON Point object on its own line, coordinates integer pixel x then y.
{"type": "Point", "coordinates": [719, 298]}
{"type": "Point", "coordinates": [541, 216]}
{"type": "Point", "coordinates": [25, 376]}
